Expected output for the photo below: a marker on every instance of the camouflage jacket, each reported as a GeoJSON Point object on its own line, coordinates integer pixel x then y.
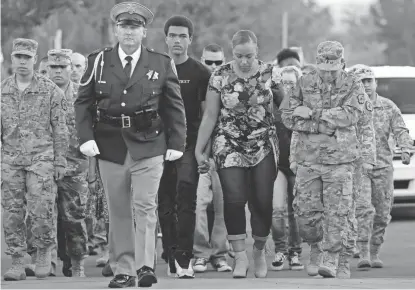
{"type": "Point", "coordinates": [339, 107]}
{"type": "Point", "coordinates": [77, 162]}
{"type": "Point", "coordinates": [365, 133]}
{"type": "Point", "coordinates": [388, 122]}
{"type": "Point", "coordinates": [33, 123]}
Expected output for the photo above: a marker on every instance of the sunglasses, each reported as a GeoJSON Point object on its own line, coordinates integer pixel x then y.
{"type": "Point", "coordinates": [53, 66]}
{"type": "Point", "coordinates": [216, 62]}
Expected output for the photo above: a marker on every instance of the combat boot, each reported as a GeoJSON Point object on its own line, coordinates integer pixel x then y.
{"type": "Point", "coordinates": [374, 256]}
{"type": "Point", "coordinates": [78, 269]}
{"type": "Point", "coordinates": [329, 265]}
{"type": "Point", "coordinates": [343, 271]}
{"type": "Point", "coordinates": [30, 268]}
{"type": "Point", "coordinates": [17, 270]}
{"type": "Point", "coordinates": [316, 254]}
{"type": "Point", "coordinates": [43, 262]}
{"type": "Point", "coordinates": [364, 259]}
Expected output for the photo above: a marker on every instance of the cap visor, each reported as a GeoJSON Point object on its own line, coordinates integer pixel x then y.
{"type": "Point", "coordinates": [58, 63]}
{"type": "Point", "coordinates": [24, 52]}
{"type": "Point", "coordinates": [129, 22]}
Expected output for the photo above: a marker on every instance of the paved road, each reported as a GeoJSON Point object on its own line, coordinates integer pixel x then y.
{"type": "Point", "coordinates": [398, 254]}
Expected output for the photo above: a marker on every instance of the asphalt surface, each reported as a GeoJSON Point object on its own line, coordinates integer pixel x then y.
{"type": "Point", "coordinates": [398, 254]}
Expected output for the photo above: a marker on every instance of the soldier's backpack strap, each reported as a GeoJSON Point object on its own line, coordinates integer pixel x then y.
{"type": "Point", "coordinates": [94, 70]}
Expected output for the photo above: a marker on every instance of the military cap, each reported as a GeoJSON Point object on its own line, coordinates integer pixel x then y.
{"type": "Point", "coordinates": [329, 55]}
{"type": "Point", "coordinates": [25, 46]}
{"type": "Point", "coordinates": [126, 13]}
{"type": "Point", "coordinates": [59, 57]}
{"type": "Point", "coordinates": [362, 71]}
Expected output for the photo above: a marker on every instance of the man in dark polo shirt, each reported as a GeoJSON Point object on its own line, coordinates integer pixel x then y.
{"type": "Point", "coordinates": [177, 205]}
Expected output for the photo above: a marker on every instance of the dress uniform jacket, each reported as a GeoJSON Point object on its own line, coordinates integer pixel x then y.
{"type": "Point", "coordinates": [153, 86]}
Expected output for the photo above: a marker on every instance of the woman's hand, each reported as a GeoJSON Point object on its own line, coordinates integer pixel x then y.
{"type": "Point", "coordinates": [203, 162]}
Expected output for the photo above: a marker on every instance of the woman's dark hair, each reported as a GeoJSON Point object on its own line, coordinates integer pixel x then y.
{"type": "Point", "coordinates": [244, 36]}
{"type": "Point", "coordinates": [179, 20]}
{"type": "Point", "coordinates": [287, 53]}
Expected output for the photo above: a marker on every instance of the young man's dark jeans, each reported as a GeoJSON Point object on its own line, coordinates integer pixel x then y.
{"type": "Point", "coordinates": [292, 243]}
{"type": "Point", "coordinates": [177, 205]}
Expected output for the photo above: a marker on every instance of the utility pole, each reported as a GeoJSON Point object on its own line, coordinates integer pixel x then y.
{"type": "Point", "coordinates": [284, 29]}
{"type": "Point", "coordinates": [58, 39]}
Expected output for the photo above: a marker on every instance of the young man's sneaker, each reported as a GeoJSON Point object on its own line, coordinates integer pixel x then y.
{"type": "Point", "coordinates": [200, 265]}
{"type": "Point", "coordinates": [221, 266]}
{"type": "Point", "coordinates": [294, 262]}
{"type": "Point", "coordinates": [183, 273]}
{"type": "Point", "coordinates": [278, 263]}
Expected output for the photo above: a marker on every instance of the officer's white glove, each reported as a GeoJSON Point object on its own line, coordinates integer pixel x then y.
{"type": "Point", "coordinates": [172, 155]}
{"type": "Point", "coordinates": [89, 148]}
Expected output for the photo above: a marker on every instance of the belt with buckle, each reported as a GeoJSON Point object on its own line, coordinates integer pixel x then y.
{"type": "Point", "coordinates": [123, 121]}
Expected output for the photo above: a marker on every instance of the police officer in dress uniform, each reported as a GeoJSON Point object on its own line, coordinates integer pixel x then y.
{"type": "Point", "coordinates": [129, 113]}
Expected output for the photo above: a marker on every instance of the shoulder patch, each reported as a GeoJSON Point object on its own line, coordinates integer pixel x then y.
{"type": "Point", "coordinates": [361, 99]}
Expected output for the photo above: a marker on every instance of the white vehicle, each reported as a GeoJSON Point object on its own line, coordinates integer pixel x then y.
{"type": "Point", "coordinates": [398, 84]}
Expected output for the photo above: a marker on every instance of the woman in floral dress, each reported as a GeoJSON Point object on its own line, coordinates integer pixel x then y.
{"type": "Point", "coordinates": [239, 118]}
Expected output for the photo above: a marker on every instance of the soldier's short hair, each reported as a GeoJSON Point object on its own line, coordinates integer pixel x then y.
{"type": "Point", "coordinates": [287, 53]}
{"type": "Point", "coordinates": [44, 59]}
{"type": "Point", "coordinates": [179, 20]}
{"type": "Point", "coordinates": [213, 47]}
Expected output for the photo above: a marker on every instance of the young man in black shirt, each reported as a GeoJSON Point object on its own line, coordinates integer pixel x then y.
{"type": "Point", "coordinates": [177, 205]}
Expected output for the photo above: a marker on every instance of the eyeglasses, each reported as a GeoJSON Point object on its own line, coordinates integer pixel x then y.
{"type": "Point", "coordinates": [216, 62]}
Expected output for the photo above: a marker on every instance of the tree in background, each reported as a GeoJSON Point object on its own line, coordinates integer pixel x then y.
{"type": "Point", "coordinates": [386, 31]}
{"type": "Point", "coordinates": [396, 22]}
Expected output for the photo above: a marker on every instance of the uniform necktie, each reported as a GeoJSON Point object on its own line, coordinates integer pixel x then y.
{"type": "Point", "coordinates": [127, 67]}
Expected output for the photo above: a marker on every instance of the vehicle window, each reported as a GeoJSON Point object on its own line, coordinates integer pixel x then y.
{"type": "Point", "coordinates": [400, 90]}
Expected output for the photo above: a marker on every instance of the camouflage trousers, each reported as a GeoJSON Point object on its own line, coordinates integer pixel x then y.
{"type": "Point", "coordinates": [374, 205]}
{"type": "Point", "coordinates": [32, 190]}
{"type": "Point", "coordinates": [72, 199]}
{"type": "Point", "coordinates": [323, 204]}
{"type": "Point", "coordinates": [97, 215]}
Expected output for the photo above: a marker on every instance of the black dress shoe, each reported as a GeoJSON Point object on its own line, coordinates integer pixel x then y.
{"type": "Point", "coordinates": [122, 281]}
{"type": "Point", "coordinates": [146, 277]}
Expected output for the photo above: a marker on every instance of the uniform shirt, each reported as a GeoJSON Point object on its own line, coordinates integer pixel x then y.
{"type": "Point", "coordinates": [388, 122]}
{"type": "Point", "coordinates": [33, 125]}
{"type": "Point", "coordinates": [365, 133]}
{"type": "Point", "coordinates": [339, 106]}
{"type": "Point", "coordinates": [193, 79]}
{"type": "Point", "coordinates": [136, 56]}
{"type": "Point", "coordinates": [77, 162]}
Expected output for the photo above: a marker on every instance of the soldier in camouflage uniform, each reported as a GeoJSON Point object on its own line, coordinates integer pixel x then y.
{"type": "Point", "coordinates": [324, 108]}
{"type": "Point", "coordinates": [377, 186]}
{"type": "Point", "coordinates": [73, 188]}
{"type": "Point", "coordinates": [97, 213]}
{"type": "Point", "coordinates": [363, 164]}
{"type": "Point", "coordinates": [34, 145]}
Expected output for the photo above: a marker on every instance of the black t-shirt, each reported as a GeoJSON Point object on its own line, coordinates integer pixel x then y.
{"type": "Point", "coordinates": [194, 79]}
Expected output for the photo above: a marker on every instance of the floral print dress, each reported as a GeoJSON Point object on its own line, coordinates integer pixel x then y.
{"type": "Point", "coordinates": [245, 132]}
